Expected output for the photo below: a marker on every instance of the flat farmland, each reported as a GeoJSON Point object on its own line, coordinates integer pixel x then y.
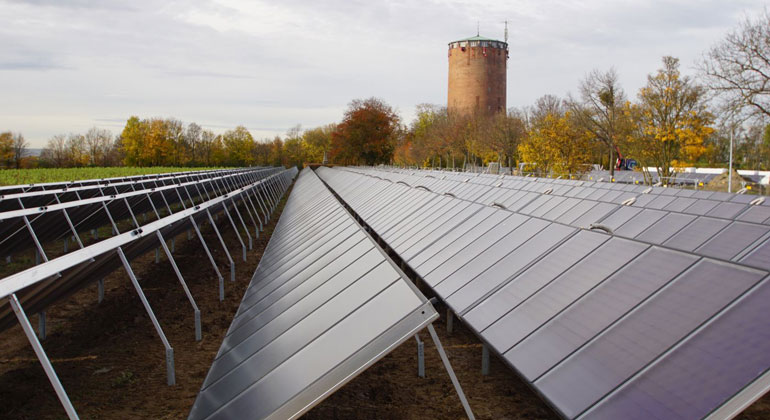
{"type": "Point", "coordinates": [42, 175]}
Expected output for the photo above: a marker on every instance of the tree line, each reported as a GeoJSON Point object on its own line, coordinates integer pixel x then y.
{"type": "Point", "coordinates": [674, 121]}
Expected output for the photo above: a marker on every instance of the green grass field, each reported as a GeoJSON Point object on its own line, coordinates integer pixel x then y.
{"type": "Point", "coordinates": [40, 175]}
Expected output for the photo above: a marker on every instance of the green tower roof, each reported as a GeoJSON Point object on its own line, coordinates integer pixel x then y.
{"type": "Point", "coordinates": [477, 38]}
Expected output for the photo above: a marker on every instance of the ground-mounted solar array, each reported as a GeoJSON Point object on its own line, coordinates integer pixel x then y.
{"type": "Point", "coordinates": [610, 300]}
{"type": "Point", "coordinates": [324, 303]}
{"type": "Point", "coordinates": [155, 209]}
{"type": "Point", "coordinates": [691, 179]}
{"type": "Point", "coordinates": [613, 301]}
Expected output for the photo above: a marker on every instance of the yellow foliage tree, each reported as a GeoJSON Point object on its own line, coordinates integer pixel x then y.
{"type": "Point", "coordinates": [556, 145]}
{"type": "Point", "coordinates": [6, 148]}
{"type": "Point", "coordinates": [317, 141]}
{"type": "Point", "coordinates": [240, 146]}
{"type": "Point", "coordinates": [670, 122]}
{"type": "Point", "coordinates": [158, 146]}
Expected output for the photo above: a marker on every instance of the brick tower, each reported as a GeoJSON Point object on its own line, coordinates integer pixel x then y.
{"type": "Point", "coordinates": [477, 74]}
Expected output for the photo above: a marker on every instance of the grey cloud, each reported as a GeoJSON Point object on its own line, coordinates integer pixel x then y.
{"type": "Point", "coordinates": [29, 65]}
{"type": "Point", "coordinates": [199, 73]}
{"type": "Point", "coordinates": [81, 4]}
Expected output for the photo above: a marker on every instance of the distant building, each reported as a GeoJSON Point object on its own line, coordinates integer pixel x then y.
{"type": "Point", "coordinates": [477, 75]}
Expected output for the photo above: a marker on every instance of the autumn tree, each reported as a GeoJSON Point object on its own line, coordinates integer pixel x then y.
{"type": "Point", "coordinates": [207, 147]}
{"type": "Point", "coordinates": [176, 142]}
{"type": "Point", "coordinates": [599, 110]}
{"type": "Point", "coordinates": [6, 148]}
{"type": "Point", "coordinates": [159, 143]}
{"type": "Point", "coordinates": [55, 152]}
{"type": "Point", "coordinates": [133, 140]}
{"type": "Point", "coordinates": [98, 142]}
{"type": "Point", "coordinates": [276, 152]}
{"type": "Point", "coordinates": [427, 139]}
{"type": "Point", "coordinates": [738, 67]}
{"type": "Point", "coordinates": [365, 133]}
{"type": "Point", "coordinates": [19, 148]}
{"type": "Point", "coordinates": [292, 144]}
{"type": "Point", "coordinates": [77, 151]}
{"type": "Point", "coordinates": [556, 144]}
{"type": "Point", "coordinates": [192, 136]}
{"type": "Point", "coordinates": [239, 145]}
{"type": "Point", "coordinates": [506, 131]}
{"type": "Point", "coordinates": [472, 128]}
{"type": "Point", "coordinates": [670, 121]}
{"type": "Point", "coordinates": [544, 106]}
{"type": "Point", "coordinates": [262, 152]}
{"type": "Point", "coordinates": [316, 141]}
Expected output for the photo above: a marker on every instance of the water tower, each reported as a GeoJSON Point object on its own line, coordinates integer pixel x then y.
{"type": "Point", "coordinates": [477, 73]}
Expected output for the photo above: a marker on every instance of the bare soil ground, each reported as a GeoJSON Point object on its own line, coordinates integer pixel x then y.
{"type": "Point", "coordinates": [111, 361]}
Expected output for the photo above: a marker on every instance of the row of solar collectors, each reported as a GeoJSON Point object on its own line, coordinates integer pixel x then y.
{"type": "Point", "coordinates": [20, 229]}
{"type": "Point", "coordinates": [595, 190]}
{"type": "Point", "coordinates": [492, 179]}
{"type": "Point", "coordinates": [635, 177]}
{"type": "Point", "coordinates": [21, 188]}
{"type": "Point", "coordinates": [323, 304]}
{"type": "Point", "coordinates": [726, 230]}
{"type": "Point", "coordinates": [601, 326]}
{"type": "Point", "coordinates": [44, 284]}
{"type": "Point", "coordinates": [28, 199]}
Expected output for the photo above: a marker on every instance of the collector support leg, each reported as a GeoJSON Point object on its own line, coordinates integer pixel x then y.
{"type": "Point", "coordinates": [170, 378]}
{"type": "Point", "coordinates": [41, 356]}
{"type": "Point", "coordinates": [484, 360]}
{"type": "Point", "coordinates": [451, 372]}
{"type": "Point", "coordinates": [420, 356]}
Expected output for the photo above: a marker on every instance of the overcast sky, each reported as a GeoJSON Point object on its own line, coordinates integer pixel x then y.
{"type": "Point", "coordinates": [67, 65]}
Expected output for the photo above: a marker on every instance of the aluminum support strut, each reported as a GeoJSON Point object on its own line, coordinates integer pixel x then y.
{"type": "Point", "coordinates": [131, 212]}
{"type": "Point", "coordinates": [256, 213]}
{"type": "Point", "coordinates": [41, 332]}
{"type": "Point", "coordinates": [237, 234]}
{"type": "Point", "coordinates": [269, 198]}
{"type": "Point", "coordinates": [224, 246]}
{"type": "Point", "coordinates": [34, 238]}
{"type": "Point", "coordinates": [484, 360]}
{"type": "Point", "coordinates": [243, 223]}
{"type": "Point", "coordinates": [115, 230]}
{"type": "Point", "coordinates": [184, 286]}
{"type": "Point", "coordinates": [211, 259]}
{"type": "Point", "coordinates": [451, 372]}
{"type": "Point", "coordinates": [420, 356]}
{"type": "Point", "coordinates": [41, 356]}
{"type": "Point", "coordinates": [170, 377]}
{"type": "Point", "coordinates": [149, 197]}
{"type": "Point", "coordinates": [255, 191]}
